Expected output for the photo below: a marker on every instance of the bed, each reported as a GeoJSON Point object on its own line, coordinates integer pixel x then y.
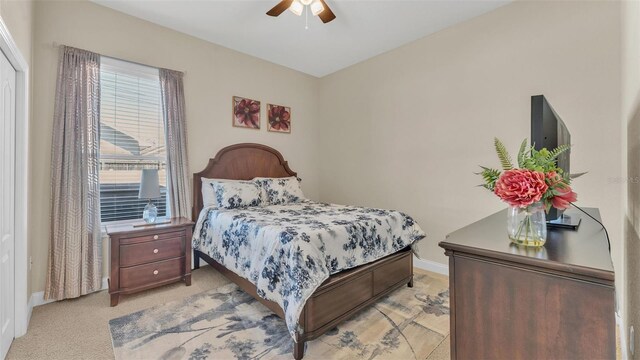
{"type": "Point", "coordinates": [346, 286]}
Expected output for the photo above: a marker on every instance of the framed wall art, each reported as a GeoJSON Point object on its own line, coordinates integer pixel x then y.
{"type": "Point", "coordinates": [246, 113]}
{"type": "Point", "coordinates": [278, 118]}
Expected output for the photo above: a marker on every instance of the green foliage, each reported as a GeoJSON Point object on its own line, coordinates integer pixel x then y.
{"type": "Point", "coordinates": [543, 160]}
{"type": "Point", "coordinates": [522, 153]}
{"type": "Point", "coordinates": [490, 176]}
{"type": "Point", "coordinates": [503, 155]}
{"type": "Point", "coordinates": [529, 158]}
{"type": "Point", "coordinates": [559, 150]}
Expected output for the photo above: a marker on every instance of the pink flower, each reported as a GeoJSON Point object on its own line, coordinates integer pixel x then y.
{"type": "Point", "coordinates": [553, 178]}
{"type": "Point", "coordinates": [564, 194]}
{"type": "Point", "coordinates": [247, 113]}
{"type": "Point", "coordinates": [521, 187]}
{"type": "Point", "coordinates": [279, 118]}
{"type": "Point", "coordinates": [564, 197]}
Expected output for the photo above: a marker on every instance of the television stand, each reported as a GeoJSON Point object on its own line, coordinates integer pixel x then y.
{"type": "Point", "coordinates": [566, 221]}
{"type": "Point", "coordinates": [552, 302]}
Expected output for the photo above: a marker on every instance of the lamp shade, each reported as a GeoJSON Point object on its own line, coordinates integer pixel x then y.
{"type": "Point", "coordinates": [296, 7]}
{"type": "Point", "coordinates": [317, 7]}
{"type": "Point", "coordinates": [149, 184]}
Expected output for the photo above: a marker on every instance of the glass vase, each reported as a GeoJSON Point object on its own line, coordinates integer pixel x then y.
{"type": "Point", "coordinates": [527, 226]}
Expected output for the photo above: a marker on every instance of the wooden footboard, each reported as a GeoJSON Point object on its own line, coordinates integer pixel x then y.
{"type": "Point", "coordinates": [339, 297]}
{"type": "Point", "coordinates": [346, 293]}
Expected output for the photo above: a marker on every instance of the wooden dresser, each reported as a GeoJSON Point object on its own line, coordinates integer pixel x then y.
{"type": "Point", "coordinates": [149, 256]}
{"type": "Point", "coordinates": [510, 302]}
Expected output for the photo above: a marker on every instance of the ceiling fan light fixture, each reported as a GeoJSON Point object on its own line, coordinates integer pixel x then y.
{"type": "Point", "coordinates": [319, 8]}
{"type": "Point", "coordinates": [316, 7]}
{"type": "Point", "coordinates": [296, 7]}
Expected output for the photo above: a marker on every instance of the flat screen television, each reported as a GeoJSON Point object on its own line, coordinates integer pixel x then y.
{"type": "Point", "coordinates": [549, 131]}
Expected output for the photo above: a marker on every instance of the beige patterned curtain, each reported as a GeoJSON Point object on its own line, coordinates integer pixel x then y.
{"type": "Point", "coordinates": [175, 124]}
{"type": "Point", "coordinates": [75, 259]}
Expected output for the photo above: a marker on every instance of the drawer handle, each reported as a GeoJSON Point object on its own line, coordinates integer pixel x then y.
{"type": "Point", "coordinates": [155, 251]}
{"type": "Point", "coordinates": [155, 272]}
{"type": "Point", "coordinates": [155, 237]}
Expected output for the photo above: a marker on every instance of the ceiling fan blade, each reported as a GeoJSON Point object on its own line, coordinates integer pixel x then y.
{"type": "Point", "coordinates": [326, 15]}
{"type": "Point", "coordinates": [280, 8]}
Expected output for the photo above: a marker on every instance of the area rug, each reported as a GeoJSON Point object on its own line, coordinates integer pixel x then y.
{"type": "Point", "coordinates": [226, 323]}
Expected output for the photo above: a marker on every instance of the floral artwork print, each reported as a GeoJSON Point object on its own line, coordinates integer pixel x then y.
{"type": "Point", "coordinates": [246, 113]}
{"type": "Point", "coordinates": [289, 250]}
{"type": "Point", "coordinates": [279, 118]}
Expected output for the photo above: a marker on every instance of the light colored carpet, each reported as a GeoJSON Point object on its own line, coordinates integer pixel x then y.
{"type": "Point", "coordinates": [227, 323]}
{"type": "Point", "coordinates": [79, 328]}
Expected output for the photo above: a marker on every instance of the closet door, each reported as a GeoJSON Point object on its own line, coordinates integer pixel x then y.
{"type": "Point", "coordinates": [7, 203]}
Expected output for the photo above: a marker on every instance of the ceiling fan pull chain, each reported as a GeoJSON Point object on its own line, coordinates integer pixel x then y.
{"type": "Point", "coordinates": [306, 18]}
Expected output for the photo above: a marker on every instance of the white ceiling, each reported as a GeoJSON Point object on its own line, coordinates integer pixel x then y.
{"type": "Point", "coordinates": [361, 30]}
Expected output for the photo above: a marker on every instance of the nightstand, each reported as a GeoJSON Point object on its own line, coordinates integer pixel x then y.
{"type": "Point", "coordinates": [145, 257]}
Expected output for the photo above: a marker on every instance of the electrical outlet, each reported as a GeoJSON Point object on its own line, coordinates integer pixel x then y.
{"type": "Point", "coordinates": [632, 344]}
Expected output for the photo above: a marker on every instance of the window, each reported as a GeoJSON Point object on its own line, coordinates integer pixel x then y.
{"type": "Point", "coordinates": [132, 138]}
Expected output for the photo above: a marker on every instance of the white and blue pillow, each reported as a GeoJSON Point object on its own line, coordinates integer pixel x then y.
{"type": "Point", "coordinates": [235, 194]}
{"type": "Point", "coordinates": [208, 195]}
{"type": "Point", "coordinates": [230, 194]}
{"type": "Point", "coordinates": [279, 191]}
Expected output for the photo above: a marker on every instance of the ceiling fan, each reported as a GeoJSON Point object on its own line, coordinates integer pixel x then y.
{"type": "Point", "coordinates": [318, 7]}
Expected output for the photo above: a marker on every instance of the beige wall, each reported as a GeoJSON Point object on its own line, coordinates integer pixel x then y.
{"type": "Point", "coordinates": [631, 117]}
{"type": "Point", "coordinates": [408, 129]}
{"type": "Point", "coordinates": [18, 16]}
{"type": "Point", "coordinates": [213, 75]}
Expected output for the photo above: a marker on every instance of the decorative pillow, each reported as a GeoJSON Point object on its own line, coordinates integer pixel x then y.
{"type": "Point", "coordinates": [277, 191]}
{"type": "Point", "coordinates": [208, 195]}
{"type": "Point", "coordinates": [236, 194]}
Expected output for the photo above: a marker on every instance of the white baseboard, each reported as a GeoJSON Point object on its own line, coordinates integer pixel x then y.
{"type": "Point", "coordinates": [29, 310]}
{"type": "Point", "coordinates": [432, 266]}
{"type": "Point", "coordinates": [37, 298]}
{"type": "Point", "coordinates": [623, 336]}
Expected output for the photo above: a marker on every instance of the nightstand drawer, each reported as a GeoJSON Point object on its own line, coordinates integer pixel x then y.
{"type": "Point", "coordinates": [151, 251]}
{"type": "Point", "coordinates": [148, 274]}
{"type": "Point", "coordinates": [151, 237]}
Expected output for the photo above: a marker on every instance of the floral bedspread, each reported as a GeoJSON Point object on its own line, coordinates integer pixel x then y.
{"type": "Point", "coordinates": [289, 250]}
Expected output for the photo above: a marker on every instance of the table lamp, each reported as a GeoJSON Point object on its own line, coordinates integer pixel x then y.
{"type": "Point", "coordinates": [149, 189]}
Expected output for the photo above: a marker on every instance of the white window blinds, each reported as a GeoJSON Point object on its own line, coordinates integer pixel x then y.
{"type": "Point", "coordinates": [132, 138]}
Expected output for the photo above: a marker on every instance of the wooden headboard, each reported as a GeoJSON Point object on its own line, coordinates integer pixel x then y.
{"type": "Point", "coordinates": [240, 162]}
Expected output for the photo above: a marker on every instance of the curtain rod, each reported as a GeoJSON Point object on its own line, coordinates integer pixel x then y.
{"type": "Point", "coordinates": [55, 45]}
